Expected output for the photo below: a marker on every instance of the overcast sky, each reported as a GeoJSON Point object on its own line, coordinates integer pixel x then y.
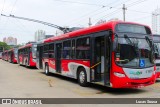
{"type": "Point", "coordinates": [68, 13]}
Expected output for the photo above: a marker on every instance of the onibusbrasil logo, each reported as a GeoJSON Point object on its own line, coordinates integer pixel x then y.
{"type": "Point", "coordinates": [136, 73]}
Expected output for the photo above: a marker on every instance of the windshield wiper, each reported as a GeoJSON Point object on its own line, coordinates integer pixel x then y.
{"type": "Point", "coordinates": [134, 46]}
{"type": "Point", "coordinates": [148, 40]}
{"type": "Point", "coordinates": [128, 40]}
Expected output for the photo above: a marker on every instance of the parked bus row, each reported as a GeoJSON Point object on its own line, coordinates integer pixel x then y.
{"type": "Point", "coordinates": [25, 55]}
{"type": "Point", "coordinates": [115, 54]}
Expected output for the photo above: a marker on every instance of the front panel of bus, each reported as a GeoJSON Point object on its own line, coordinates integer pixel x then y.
{"type": "Point", "coordinates": [33, 55]}
{"type": "Point", "coordinates": [15, 55]}
{"type": "Point", "coordinates": [132, 57]}
{"type": "Point", "coordinates": [156, 39]}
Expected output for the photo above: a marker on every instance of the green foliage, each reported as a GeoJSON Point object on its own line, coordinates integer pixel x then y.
{"type": "Point", "coordinates": [3, 44]}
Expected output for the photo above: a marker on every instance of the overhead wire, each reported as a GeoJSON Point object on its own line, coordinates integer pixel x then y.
{"type": "Point", "coordinates": [114, 12]}
{"type": "Point", "coordinates": [110, 7]}
{"type": "Point", "coordinates": [130, 5]}
{"type": "Point", "coordinates": [89, 13]}
{"type": "Point", "coordinates": [2, 7]}
{"type": "Point", "coordinates": [65, 1]}
{"type": "Point", "coordinates": [6, 22]}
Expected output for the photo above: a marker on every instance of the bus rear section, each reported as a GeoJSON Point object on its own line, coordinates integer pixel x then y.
{"type": "Point", "coordinates": [115, 54]}
{"type": "Point", "coordinates": [156, 40]}
{"type": "Point", "coordinates": [27, 55]}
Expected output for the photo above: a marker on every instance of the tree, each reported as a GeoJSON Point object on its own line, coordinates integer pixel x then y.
{"type": "Point", "coordinates": [4, 45]}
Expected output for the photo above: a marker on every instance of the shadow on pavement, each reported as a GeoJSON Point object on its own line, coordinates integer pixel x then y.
{"type": "Point", "coordinates": [28, 67]}
{"type": "Point", "coordinates": [158, 80]}
{"type": "Point", "coordinates": [101, 89]}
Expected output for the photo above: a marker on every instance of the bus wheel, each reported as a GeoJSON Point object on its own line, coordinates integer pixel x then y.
{"type": "Point", "coordinates": [82, 77]}
{"type": "Point", "coordinates": [47, 69]}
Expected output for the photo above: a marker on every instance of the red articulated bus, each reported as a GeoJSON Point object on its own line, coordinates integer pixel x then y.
{"type": "Point", "coordinates": [156, 39]}
{"type": "Point", "coordinates": [12, 55]}
{"type": "Point", "coordinates": [116, 54]}
{"type": "Point", "coordinates": [27, 55]}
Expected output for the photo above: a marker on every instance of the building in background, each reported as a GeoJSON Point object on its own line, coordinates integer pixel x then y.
{"type": "Point", "coordinates": [10, 40]}
{"type": "Point", "coordinates": [39, 35]}
{"type": "Point", "coordinates": [156, 21]}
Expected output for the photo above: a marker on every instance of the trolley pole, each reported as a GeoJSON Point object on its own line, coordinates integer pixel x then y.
{"type": "Point", "coordinates": [124, 12]}
{"type": "Point", "coordinates": [90, 23]}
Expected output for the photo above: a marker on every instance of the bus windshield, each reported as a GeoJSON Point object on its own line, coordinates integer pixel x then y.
{"type": "Point", "coordinates": [16, 52]}
{"type": "Point", "coordinates": [132, 28]}
{"type": "Point", "coordinates": [131, 51]}
{"type": "Point", "coordinates": [157, 50]}
{"type": "Point", "coordinates": [34, 49]}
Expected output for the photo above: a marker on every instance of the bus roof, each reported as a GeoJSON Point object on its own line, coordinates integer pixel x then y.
{"type": "Point", "coordinates": [12, 49]}
{"type": "Point", "coordinates": [108, 25]}
{"type": "Point", "coordinates": [26, 46]}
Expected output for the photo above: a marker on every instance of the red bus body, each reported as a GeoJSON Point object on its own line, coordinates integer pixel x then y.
{"type": "Point", "coordinates": [12, 55]}
{"type": "Point", "coordinates": [156, 39]}
{"type": "Point", "coordinates": [25, 56]}
{"type": "Point", "coordinates": [69, 67]}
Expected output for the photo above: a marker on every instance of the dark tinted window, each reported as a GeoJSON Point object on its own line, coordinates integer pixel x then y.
{"type": "Point", "coordinates": [73, 54]}
{"type": "Point", "coordinates": [82, 48]}
{"type": "Point", "coordinates": [132, 28]}
{"type": "Point", "coordinates": [51, 50]}
{"type": "Point", "coordinates": [67, 49]}
{"type": "Point", "coordinates": [45, 51]}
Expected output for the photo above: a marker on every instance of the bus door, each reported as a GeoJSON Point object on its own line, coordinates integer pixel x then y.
{"type": "Point", "coordinates": [100, 66]}
{"type": "Point", "coordinates": [58, 57]}
{"type": "Point", "coordinates": [29, 52]}
{"type": "Point", "coordinates": [39, 57]}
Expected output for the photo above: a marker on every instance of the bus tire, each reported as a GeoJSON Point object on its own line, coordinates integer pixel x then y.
{"type": "Point", "coordinates": [47, 69]}
{"type": "Point", "coordinates": [82, 77]}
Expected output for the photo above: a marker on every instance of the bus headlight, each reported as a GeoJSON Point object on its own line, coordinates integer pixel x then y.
{"type": "Point", "coordinates": [119, 74]}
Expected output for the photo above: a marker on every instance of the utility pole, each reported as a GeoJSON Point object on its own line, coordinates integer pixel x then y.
{"type": "Point", "coordinates": [124, 12]}
{"type": "Point", "coordinates": [90, 23]}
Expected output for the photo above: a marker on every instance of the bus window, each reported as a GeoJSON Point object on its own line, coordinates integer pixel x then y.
{"type": "Point", "coordinates": [82, 48]}
{"type": "Point", "coordinates": [73, 54]}
{"type": "Point", "coordinates": [34, 50]}
{"type": "Point", "coordinates": [66, 49]}
{"type": "Point", "coordinates": [45, 52]}
{"type": "Point", "coordinates": [51, 50]}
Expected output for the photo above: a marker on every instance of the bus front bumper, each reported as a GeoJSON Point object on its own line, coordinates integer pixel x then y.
{"type": "Point", "coordinates": [158, 74]}
{"type": "Point", "coordinates": [125, 82]}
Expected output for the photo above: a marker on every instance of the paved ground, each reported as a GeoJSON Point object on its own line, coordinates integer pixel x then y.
{"type": "Point", "coordinates": [21, 82]}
